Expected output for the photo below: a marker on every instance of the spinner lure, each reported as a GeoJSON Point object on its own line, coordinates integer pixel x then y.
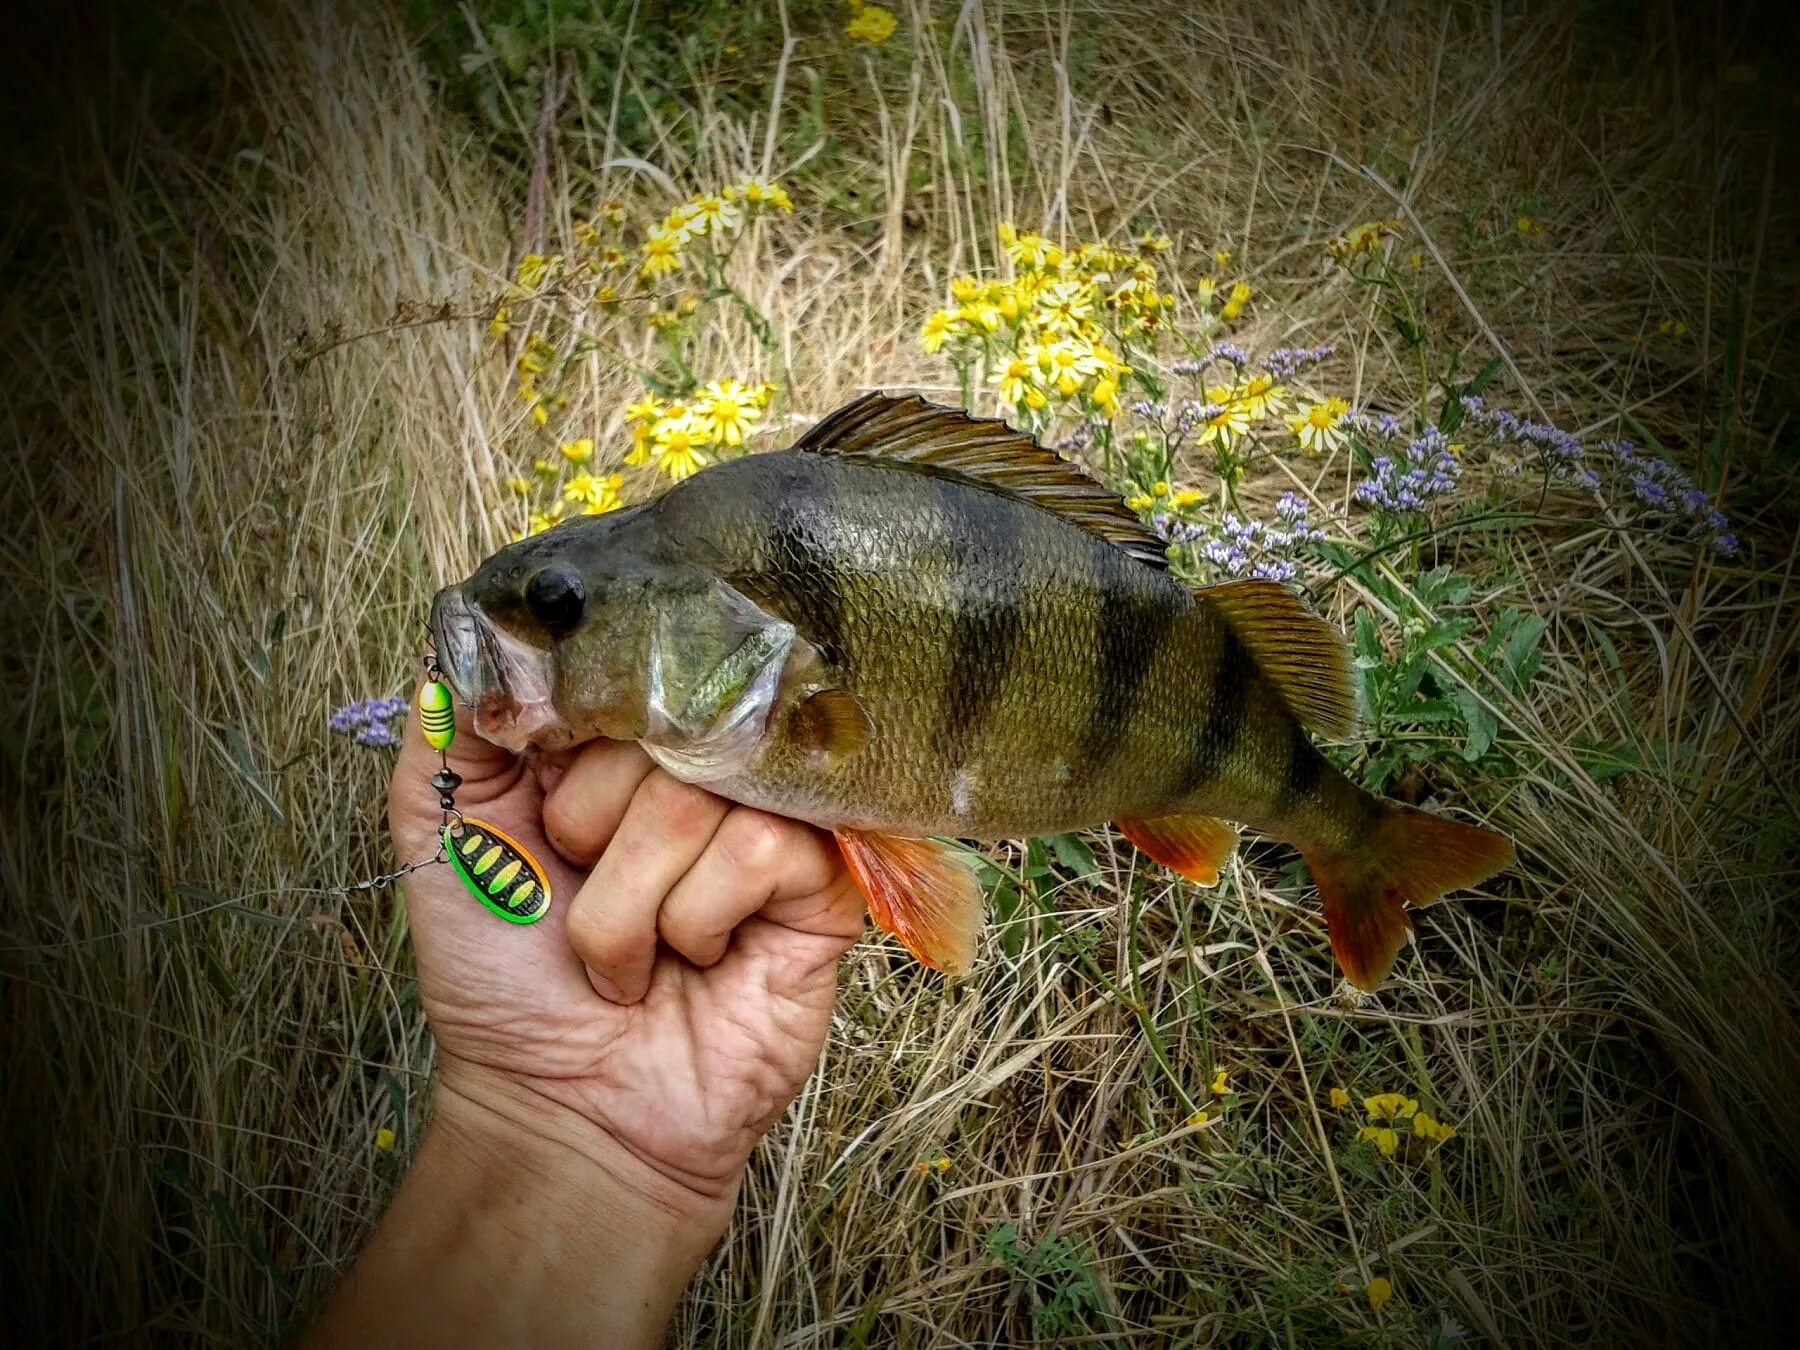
{"type": "Point", "coordinates": [497, 869]}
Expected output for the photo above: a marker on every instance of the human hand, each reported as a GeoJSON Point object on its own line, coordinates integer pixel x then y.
{"type": "Point", "coordinates": [676, 996]}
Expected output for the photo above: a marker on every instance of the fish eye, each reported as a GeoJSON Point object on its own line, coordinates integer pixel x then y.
{"type": "Point", "coordinates": [556, 598]}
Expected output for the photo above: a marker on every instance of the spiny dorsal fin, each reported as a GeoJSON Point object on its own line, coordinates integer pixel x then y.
{"type": "Point", "coordinates": [990, 452]}
{"type": "Point", "coordinates": [1298, 652]}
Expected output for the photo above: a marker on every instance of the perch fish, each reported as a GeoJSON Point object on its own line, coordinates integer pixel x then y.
{"type": "Point", "coordinates": [916, 623]}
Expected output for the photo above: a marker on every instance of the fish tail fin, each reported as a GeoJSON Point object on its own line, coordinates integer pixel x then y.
{"type": "Point", "coordinates": [921, 893]}
{"type": "Point", "coordinates": [1407, 857]}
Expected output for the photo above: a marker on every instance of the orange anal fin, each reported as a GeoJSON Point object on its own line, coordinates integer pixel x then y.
{"type": "Point", "coordinates": [1408, 857]}
{"type": "Point", "coordinates": [920, 892]}
{"type": "Point", "coordinates": [1194, 846]}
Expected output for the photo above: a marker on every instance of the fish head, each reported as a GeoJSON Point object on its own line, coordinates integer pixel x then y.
{"type": "Point", "coordinates": [602, 626]}
{"type": "Point", "coordinates": [548, 640]}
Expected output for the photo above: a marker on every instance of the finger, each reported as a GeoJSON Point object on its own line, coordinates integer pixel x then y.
{"type": "Point", "coordinates": [586, 804]}
{"type": "Point", "coordinates": [612, 924]}
{"type": "Point", "coordinates": [753, 860]}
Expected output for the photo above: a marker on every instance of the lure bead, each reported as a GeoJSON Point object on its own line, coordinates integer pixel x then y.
{"type": "Point", "coordinates": [446, 780]}
{"type": "Point", "coordinates": [447, 802]}
{"type": "Point", "coordinates": [437, 716]}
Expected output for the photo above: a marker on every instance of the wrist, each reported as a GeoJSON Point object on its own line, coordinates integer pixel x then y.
{"type": "Point", "coordinates": [491, 1123]}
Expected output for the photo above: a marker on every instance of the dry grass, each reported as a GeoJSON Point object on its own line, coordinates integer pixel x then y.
{"type": "Point", "coordinates": [224, 531]}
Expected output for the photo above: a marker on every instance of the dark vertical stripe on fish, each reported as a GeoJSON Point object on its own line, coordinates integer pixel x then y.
{"type": "Point", "coordinates": [813, 584]}
{"type": "Point", "coordinates": [989, 619]}
{"type": "Point", "coordinates": [1305, 766]}
{"type": "Point", "coordinates": [1130, 630]}
{"type": "Point", "coordinates": [1212, 748]}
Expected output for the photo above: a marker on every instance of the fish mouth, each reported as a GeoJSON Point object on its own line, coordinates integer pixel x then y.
{"type": "Point", "coordinates": [506, 681]}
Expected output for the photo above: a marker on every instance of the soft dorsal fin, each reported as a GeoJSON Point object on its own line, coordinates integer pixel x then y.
{"type": "Point", "coordinates": [988, 451]}
{"type": "Point", "coordinates": [1298, 652]}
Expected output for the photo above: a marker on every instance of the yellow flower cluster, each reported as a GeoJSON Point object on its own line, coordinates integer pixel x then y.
{"type": "Point", "coordinates": [676, 436]}
{"type": "Point", "coordinates": [1392, 1115]}
{"type": "Point", "coordinates": [871, 23]}
{"type": "Point", "coordinates": [1054, 333]}
{"type": "Point", "coordinates": [713, 214]}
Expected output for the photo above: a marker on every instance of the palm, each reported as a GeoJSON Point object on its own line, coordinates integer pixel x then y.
{"type": "Point", "coordinates": [688, 1077]}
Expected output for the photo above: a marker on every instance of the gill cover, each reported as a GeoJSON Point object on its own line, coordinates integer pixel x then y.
{"type": "Point", "coordinates": [716, 666]}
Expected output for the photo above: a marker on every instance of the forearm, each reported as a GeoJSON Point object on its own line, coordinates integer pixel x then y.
{"type": "Point", "coordinates": [516, 1226]}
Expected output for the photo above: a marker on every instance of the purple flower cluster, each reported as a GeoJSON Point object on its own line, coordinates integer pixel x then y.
{"type": "Point", "coordinates": [1651, 479]}
{"type": "Point", "coordinates": [1666, 489]}
{"type": "Point", "coordinates": [1425, 469]}
{"type": "Point", "coordinates": [1286, 362]}
{"type": "Point", "coordinates": [1247, 548]}
{"type": "Point", "coordinates": [370, 721]}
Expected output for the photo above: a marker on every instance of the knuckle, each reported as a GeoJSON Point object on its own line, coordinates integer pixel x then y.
{"type": "Point", "coordinates": [680, 808]}
{"type": "Point", "coordinates": [753, 842]}
{"type": "Point", "coordinates": [598, 943]}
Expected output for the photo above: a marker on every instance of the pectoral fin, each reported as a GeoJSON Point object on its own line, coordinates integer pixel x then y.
{"type": "Point", "coordinates": [831, 724]}
{"type": "Point", "coordinates": [1195, 846]}
{"type": "Point", "coordinates": [918, 891]}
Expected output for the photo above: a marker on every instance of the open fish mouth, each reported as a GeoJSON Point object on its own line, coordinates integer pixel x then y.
{"type": "Point", "coordinates": [506, 681]}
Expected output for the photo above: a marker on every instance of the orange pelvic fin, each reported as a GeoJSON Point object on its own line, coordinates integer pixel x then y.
{"type": "Point", "coordinates": [1195, 846]}
{"type": "Point", "coordinates": [918, 891]}
{"type": "Point", "coordinates": [1407, 858]}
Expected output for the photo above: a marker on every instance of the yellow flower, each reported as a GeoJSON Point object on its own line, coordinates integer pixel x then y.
{"type": "Point", "coordinates": [1222, 257]}
{"type": "Point", "coordinates": [1203, 291]}
{"type": "Point", "coordinates": [1105, 394]}
{"type": "Point", "coordinates": [761, 192]}
{"type": "Point", "coordinates": [384, 1139]}
{"type": "Point", "coordinates": [1382, 1137]}
{"type": "Point", "coordinates": [964, 289]}
{"type": "Point", "coordinates": [519, 487]}
{"type": "Point", "coordinates": [1226, 424]}
{"type": "Point", "coordinates": [676, 444]}
{"type": "Point", "coordinates": [1065, 305]}
{"type": "Point", "coordinates": [762, 394]}
{"type": "Point", "coordinates": [1139, 502]}
{"type": "Point", "coordinates": [1187, 497]}
{"type": "Point", "coordinates": [585, 233]}
{"type": "Point", "coordinates": [662, 252]}
{"type": "Point", "coordinates": [649, 408]}
{"type": "Point", "coordinates": [1339, 1099]}
{"type": "Point", "coordinates": [498, 325]}
{"type": "Point", "coordinates": [1672, 328]}
{"type": "Point", "coordinates": [1436, 1131]}
{"type": "Point", "coordinates": [1525, 225]}
{"type": "Point", "coordinates": [871, 24]}
{"type": "Point", "coordinates": [1416, 259]}
{"type": "Point", "coordinates": [543, 520]}
{"type": "Point", "coordinates": [1389, 1106]}
{"type": "Point", "coordinates": [612, 256]}
{"type": "Point", "coordinates": [1159, 488]}
{"type": "Point", "coordinates": [1199, 1118]}
{"type": "Point", "coordinates": [612, 212]}
{"type": "Point", "coordinates": [577, 452]}
{"type": "Point", "coordinates": [1033, 251]}
{"type": "Point", "coordinates": [1235, 302]}
{"type": "Point", "coordinates": [1318, 427]}
{"type": "Point", "coordinates": [1361, 238]}
{"type": "Point", "coordinates": [1262, 397]}
{"type": "Point", "coordinates": [595, 495]}
{"type": "Point", "coordinates": [941, 325]}
{"type": "Point", "coordinates": [713, 214]}
{"type": "Point", "coordinates": [534, 268]}
{"type": "Point", "coordinates": [1221, 1085]}
{"type": "Point", "coordinates": [540, 414]}
{"type": "Point", "coordinates": [942, 1164]}
{"type": "Point", "coordinates": [1013, 378]}
{"type": "Point", "coordinates": [1379, 1292]}
{"type": "Point", "coordinates": [543, 468]}
{"type": "Point", "coordinates": [606, 297]}
{"type": "Point", "coordinates": [726, 410]}
{"type": "Point", "coordinates": [1154, 243]}
{"type": "Point", "coordinates": [981, 315]}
